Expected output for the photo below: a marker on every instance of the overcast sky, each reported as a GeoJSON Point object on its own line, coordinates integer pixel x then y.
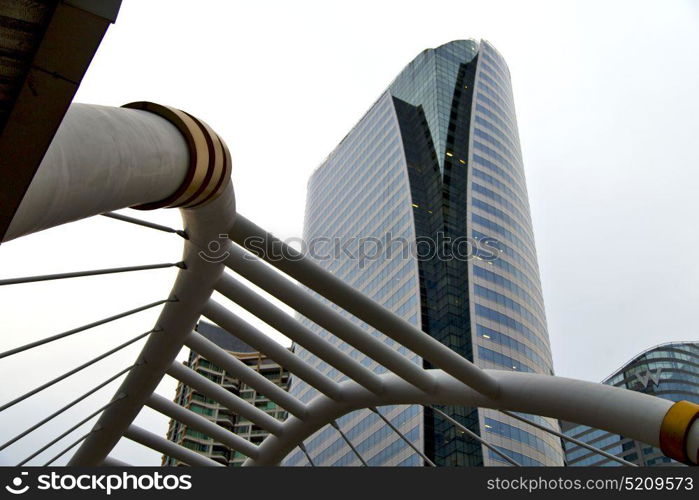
{"type": "Point", "coordinates": [608, 113]}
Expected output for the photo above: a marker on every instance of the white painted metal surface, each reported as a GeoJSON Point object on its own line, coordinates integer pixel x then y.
{"type": "Point", "coordinates": [102, 159]}
{"type": "Point", "coordinates": [105, 159]}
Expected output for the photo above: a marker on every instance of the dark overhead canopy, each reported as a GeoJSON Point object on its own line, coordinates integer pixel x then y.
{"type": "Point", "coordinates": [45, 49]}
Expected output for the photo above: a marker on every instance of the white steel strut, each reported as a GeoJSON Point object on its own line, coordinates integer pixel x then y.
{"type": "Point", "coordinates": [149, 156]}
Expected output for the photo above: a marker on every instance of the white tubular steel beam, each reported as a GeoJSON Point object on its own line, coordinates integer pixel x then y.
{"type": "Point", "coordinates": [692, 446]}
{"type": "Point", "coordinates": [114, 462]}
{"type": "Point", "coordinates": [238, 369]}
{"type": "Point", "coordinates": [168, 448]}
{"type": "Point", "coordinates": [269, 313]}
{"type": "Point", "coordinates": [149, 156]}
{"type": "Point", "coordinates": [253, 269]}
{"type": "Point", "coordinates": [192, 288]}
{"type": "Point", "coordinates": [234, 403]}
{"type": "Point", "coordinates": [632, 414]}
{"type": "Point", "coordinates": [165, 158]}
{"type": "Point", "coordinates": [271, 348]}
{"type": "Point", "coordinates": [296, 265]}
{"type": "Point", "coordinates": [201, 424]}
{"type": "Point", "coordinates": [102, 159]}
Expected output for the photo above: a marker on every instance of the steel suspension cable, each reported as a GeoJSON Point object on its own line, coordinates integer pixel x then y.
{"type": "Point", "coordinates": [75, 370]}
{"type": "Point", "coordinates": [38, 343]}
{"type": "Point", "coordinates": [402, 436]}
{"type": "Point", "coordinates": [475, 436]}
{"type": "Point", "coordinates": [94, 272]}
{"type": "Point", "coordinates": [568, 438]}
{"type": "Point", "coordinates": [349, 443]}
{"type": "Point", "coordinates": [57, 439]}
{"type": "Point", "coordinates": [66, 407]}
{"type": "Point", "coordinates": [70, 447]}
{"type": "Point", "coordinates": [308, 456]}
{"type": "Point", "coordinates": [144, 223]}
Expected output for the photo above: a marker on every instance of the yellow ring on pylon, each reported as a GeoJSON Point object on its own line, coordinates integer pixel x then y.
{"type": "Point", "coordinates": [674, 430]}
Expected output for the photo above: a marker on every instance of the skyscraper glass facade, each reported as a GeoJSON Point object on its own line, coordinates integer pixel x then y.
{"type": "Point", "coordinates": [436, 160]}
{"type": "Point", "coordinates": [669, 371]}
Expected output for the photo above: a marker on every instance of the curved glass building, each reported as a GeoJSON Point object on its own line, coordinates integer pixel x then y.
{"type": "Point", "coordinates": [423, 207]}
{"type": "Point", "coordinates": [669, 371]}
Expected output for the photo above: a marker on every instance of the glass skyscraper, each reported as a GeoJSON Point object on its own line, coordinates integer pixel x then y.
{"type": "Point", "coordinates": [431, 171]}
{"type": "Point", "coordinates": [669, 371]}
